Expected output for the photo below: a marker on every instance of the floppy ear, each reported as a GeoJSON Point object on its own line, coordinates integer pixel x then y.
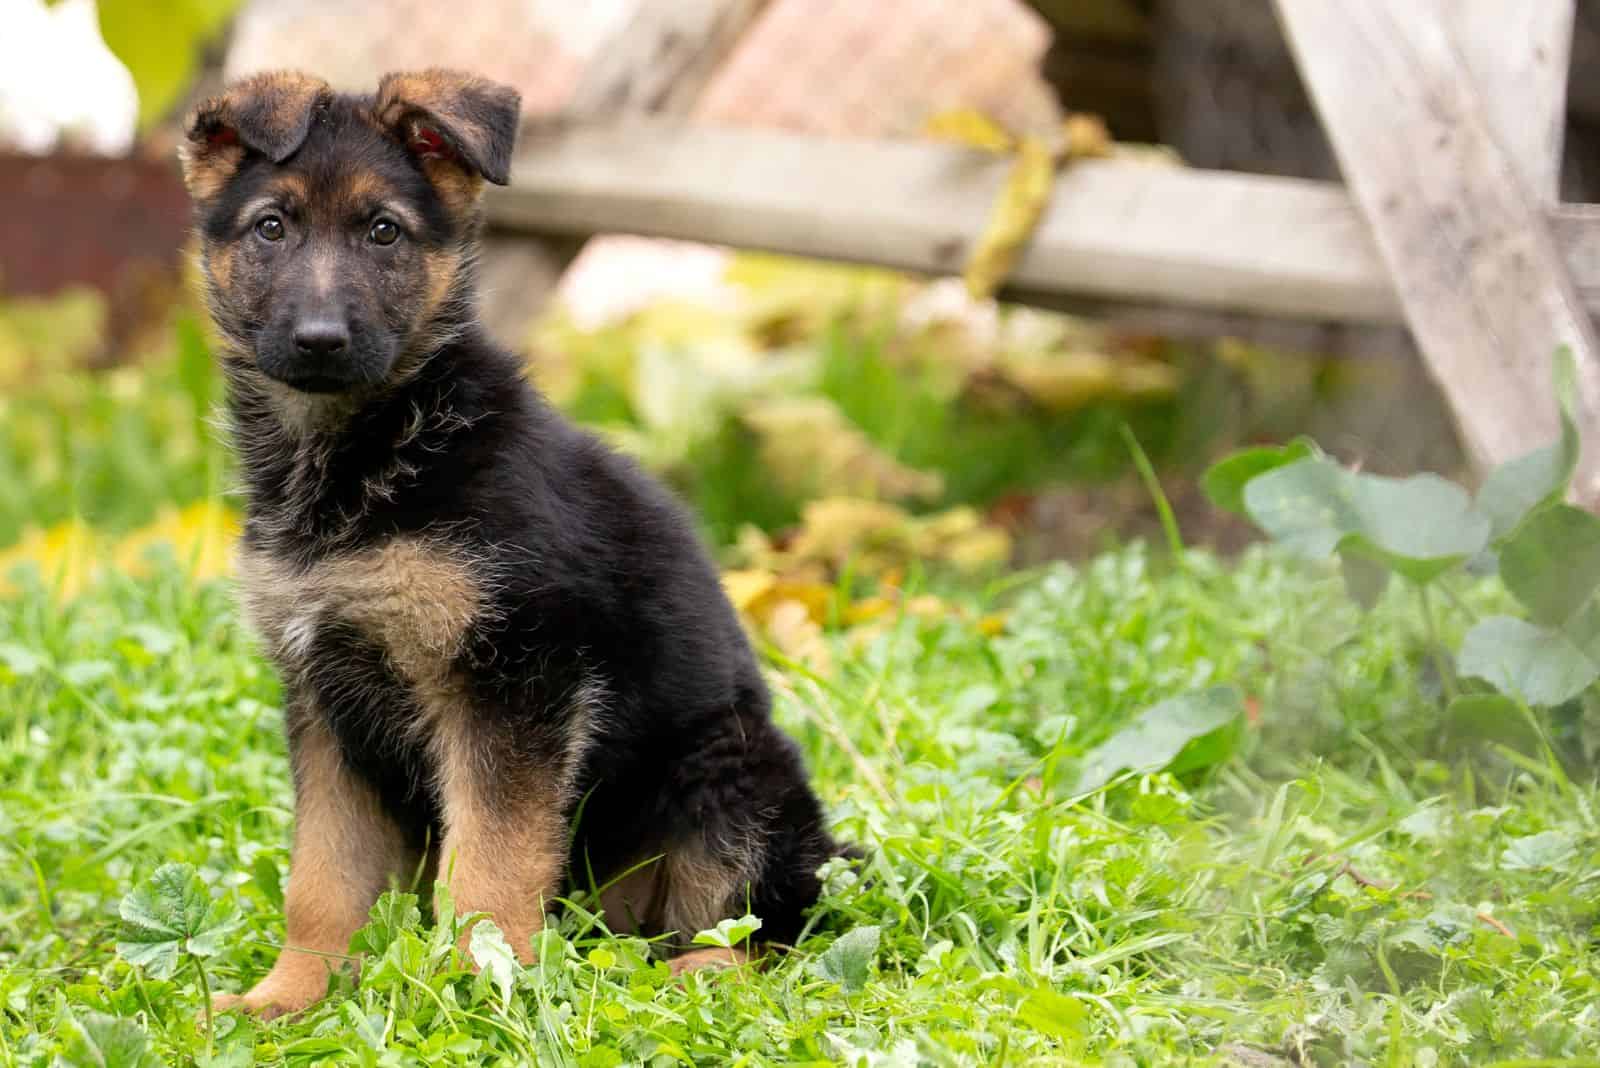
{"type": "Point", "coordinates": [268, 113]}
{"type": "Point", "coordinates": [453, 116]}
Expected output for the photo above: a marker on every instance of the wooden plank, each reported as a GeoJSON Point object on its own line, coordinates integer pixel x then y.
{"type": "Point", "coordinates": [1517, 56]}
{"type": "Point", "coordinates": [1473, 259]}
{"type": "Point", "coordinates": [1121, 231]}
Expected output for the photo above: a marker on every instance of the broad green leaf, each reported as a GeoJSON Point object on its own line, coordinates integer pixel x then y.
{"type": "Point", "coordinates": [369, 1027]}
{"type": "Point", "coordinates": [393, 913]}
{"type": "Point", "coordinates": [494, 957]}
{"type": "Point", "coordinates": [264, 874]}
{"type": "Point", "coordinates": [162, 53]}
{"type": "Point", "coordinates": [1180, 734]}
{"type": "Point", "coordinates": [1517, 487]}
{"type": "Point", "coordinates": [1536, 665]}
{"type": "Point", "coordinates": [1491, 717]}
{"type": "Point", "coordinates": [1225, 480]}
{"type": "Point", "coordinates": [1419, 526]}
{"type": "Point", "coordinates": [1552, 562]}
{"type": "Point", "coordinates": [1054, 1014]}
{"type": "Point", "coordinates": [729, 933]}
{"type": "Point", "coordinates": [98, 1040]}
{"type": "Point", "coordinates": [848, 961]}
{"type": "Point", "coordinates": [168, 916]}
{"type": "Point", "coordinates": [240, 1052]}
{"type": "Point", "coordinates": [1544, 851]}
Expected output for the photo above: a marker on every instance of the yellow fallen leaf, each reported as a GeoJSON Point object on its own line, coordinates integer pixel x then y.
{"type": "Point", "coordinates": [201, 537]}
{"type": "Point", "coordinates": [835, 529]}
{"type": "Point", "coordinates": [1085, 135]}
{"type": "Point", "coordinates": [793, 631]}
{"type": "Point", "coordinates": [1063, 382]}
{"type": "Point", "coordinates": [745, 586]}
{"type": "Point", "coordinates": [66, 555]}
{"type": "Point", "coordinates": [809, 446]}
{"type": "Point", "coordinates": [968, 126]}
{"type": "Point", "coordinates": [978, 549]}
{"type": "Point", "coordinates": [1022, 202]}
{"type": "Point", "coordinates": [866, 610]}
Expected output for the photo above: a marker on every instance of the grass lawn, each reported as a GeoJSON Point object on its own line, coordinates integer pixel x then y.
{"type": "Point", "coordinates": [1348, 888]}
{"type": "Point", "coordinates": [1346, 878]}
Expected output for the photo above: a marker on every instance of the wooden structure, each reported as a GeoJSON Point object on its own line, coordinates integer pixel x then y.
{"type": "Point", "coordinates": [1445, 115]}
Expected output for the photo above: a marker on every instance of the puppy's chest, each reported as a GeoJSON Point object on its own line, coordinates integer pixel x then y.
{"type": "Point", "coordinates": [413, 598]}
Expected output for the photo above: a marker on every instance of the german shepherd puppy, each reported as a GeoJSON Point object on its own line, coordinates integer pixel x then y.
{"type": "Point", "coordinates": [497, 638]}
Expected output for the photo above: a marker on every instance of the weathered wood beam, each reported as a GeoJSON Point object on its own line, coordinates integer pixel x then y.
{"type": "Point", "coordinates": [1517, 57]}
{"type": "Point", "coordinates": [1474, 260]}
{"type": "Point", "coordinates": [1117, 231]}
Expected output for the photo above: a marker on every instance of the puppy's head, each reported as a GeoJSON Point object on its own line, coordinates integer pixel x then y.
{"type": "Point", "coordinates": [336, 230]}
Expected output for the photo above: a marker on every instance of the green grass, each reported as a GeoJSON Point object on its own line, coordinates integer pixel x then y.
{"type": "Point", "coordinates": [1151, 923]}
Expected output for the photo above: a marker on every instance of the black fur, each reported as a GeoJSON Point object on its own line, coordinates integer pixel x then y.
{"type": "Point", "coordinates": [598, 583]}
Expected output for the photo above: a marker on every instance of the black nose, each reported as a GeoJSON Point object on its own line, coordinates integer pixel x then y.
{"type": "Point", "coordinates": [321, 337]}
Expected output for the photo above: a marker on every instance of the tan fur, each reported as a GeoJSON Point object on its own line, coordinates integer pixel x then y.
{"type": "Point", "coordinates": [686, 891]}
{"type": "Point", "coordinates": [413, 596]}
{"type": "Point", "coordinates": [219, 263]}
{"type": "Point", "coordinates": [700, 891]}
{"type": "Point", "coordinates": [503, 856]}
{"type": "Point", "coordinates": [633, 902]}
{"type": "Point", "coordinates": [207, 170]}
{"type": "Point", "coordinates": [441, 266]}
{"type": "Point", "coordinates": [457, 188]}
{"type": "Point", "coordinates": [291, 186]}
{"type": "Point", "coordinates": [710, 957]}
{"type": "Point", "coordinates": [346, 852]}
{"type": "Point", "coordinates": [363, 187]}
{"type": "Point", "coordinates": [271, 106]}
{"type": "Point", "coordinates": [437, 93]}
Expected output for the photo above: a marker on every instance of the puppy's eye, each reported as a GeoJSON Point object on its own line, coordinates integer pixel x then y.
{"type": "Point", "coordinates": [270, 228]}
{"type": "Point", "coordinates": [384, 232]}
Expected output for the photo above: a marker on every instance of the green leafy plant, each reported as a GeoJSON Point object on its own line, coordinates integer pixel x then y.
{"type": "Point", "coordinates": [171, 919]}
{"type": "Point", "coordinates": [729, 932]}
{"type": "Point", "coordinates": [1425, 529]}
{"type": "Point", "coordinates": [1181, 734]}
{"type": "Point", "coordinates": [162, 53]}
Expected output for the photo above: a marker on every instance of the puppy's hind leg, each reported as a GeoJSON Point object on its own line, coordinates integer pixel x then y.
{"type": "Point", "coordinates": [759, 842]}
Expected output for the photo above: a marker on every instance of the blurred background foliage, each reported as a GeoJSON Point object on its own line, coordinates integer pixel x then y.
{"type": "Point", "coordinates": [818, 381]}
{"type": "Point", "coordinates": [162, 47]}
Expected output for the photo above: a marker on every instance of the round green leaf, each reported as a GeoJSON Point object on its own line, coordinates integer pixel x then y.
{"type": "Point", "coordinates": [1536, 665]}
{"type": "Point", "coordinates": [1226, 479]}
{"type": "Point", "coordinates": [1517, 487]}
{"type": "Point", "coordinates": [1552, 563]}
{"type": "Point", "coordinates": [1419, 526]}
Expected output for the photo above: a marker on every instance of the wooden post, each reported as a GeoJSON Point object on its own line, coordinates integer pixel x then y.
{"type": "Point", "coordinates": [658, 62]}
{"type": "Point", "coordinates": [1459, 225]}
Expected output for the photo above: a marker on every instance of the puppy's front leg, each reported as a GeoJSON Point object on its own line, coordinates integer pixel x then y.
{"type": "Point", "coordinates": [346, 850]}
{"type": "Point", "coordinates": [505, 840]}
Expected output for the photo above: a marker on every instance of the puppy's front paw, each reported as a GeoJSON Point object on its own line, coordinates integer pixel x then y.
{"type": "Point", "coordinates": [697, 959]}
{"type": "Point", "coordinates": [269, 999]}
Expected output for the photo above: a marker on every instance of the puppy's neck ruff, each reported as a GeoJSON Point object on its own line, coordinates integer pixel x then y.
{"type": "Point", "coordinates": [319, 477]}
